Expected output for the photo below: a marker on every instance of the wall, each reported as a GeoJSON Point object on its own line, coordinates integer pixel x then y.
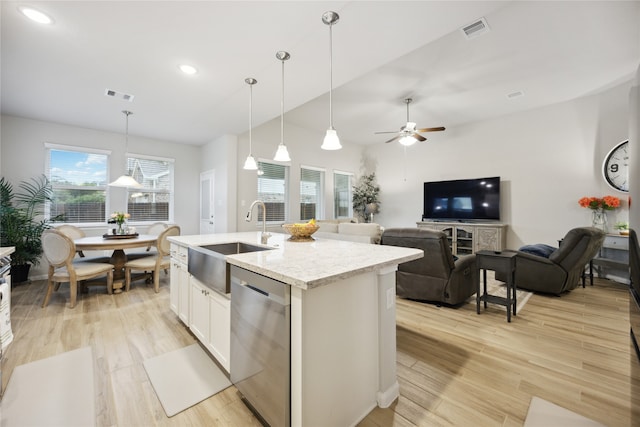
{"type": "Point", "coordinates": [547, 158]}
{"type": "Point", "coordinates": [634, 153]}
{"type": "Point", "coordinates": [221, 157]}
{"type": "Point", "coordinates": [304, 149]}
{"type": "Point", "coordinates": [23, 156]}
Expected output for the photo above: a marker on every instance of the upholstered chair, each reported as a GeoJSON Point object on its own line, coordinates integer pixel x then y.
{"type": "Point", "coordinates": [438, 276]}
{"type": "Point", "coordinates": [59, 251]}
{"type": "Point", "coordinates": [154, 230]}
{"type": "Point", "coordinates": [155, 263]}
{"type": "Point", "coordinates": [73, 233]}
{"type": "Point", "coordinates": [563, 269]}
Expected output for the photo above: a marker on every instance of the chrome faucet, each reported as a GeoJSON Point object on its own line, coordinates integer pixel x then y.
{"type": "Point", "coordinates": [264, 237]}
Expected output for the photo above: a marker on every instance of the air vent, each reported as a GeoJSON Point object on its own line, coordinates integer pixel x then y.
{"type": "Point", "coordinates": [118, 95]}
{"type": "Point", "coordinates": [475, 29]}
{"type": "Point", "coordinates": [514, 95]}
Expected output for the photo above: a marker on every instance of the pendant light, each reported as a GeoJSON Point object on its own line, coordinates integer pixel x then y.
{"type": "Point", "coordinates": [282, 155]}
{"type": "Point", "coordinates": [126, 180]}
{"type": "Point", "coordinates": [250, 163]}
{"type": "Point", "coordinates": [331, 140]}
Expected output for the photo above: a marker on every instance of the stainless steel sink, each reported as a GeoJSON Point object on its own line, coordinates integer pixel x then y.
{"type": "Point", "coordinates": [208, 263]}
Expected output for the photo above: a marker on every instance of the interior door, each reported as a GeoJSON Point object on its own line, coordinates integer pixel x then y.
{"type": "Point", "coordinates": [207, 218]}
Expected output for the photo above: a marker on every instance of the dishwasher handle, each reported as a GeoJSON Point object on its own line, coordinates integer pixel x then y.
{"type": "Point", "coordinates": [253, 288]}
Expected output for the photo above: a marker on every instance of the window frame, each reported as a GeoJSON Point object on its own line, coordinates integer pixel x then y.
{"type": "Point", "coordinates": [351, 176]}
{"type": "Point", "coordinates": [85, 150]}
{"type": "Point", "coordinates": [319, 211]}
{"type": "Point", "coordinates": [170, 191]}
{"type": "Point", "coordinates": [287, 192]}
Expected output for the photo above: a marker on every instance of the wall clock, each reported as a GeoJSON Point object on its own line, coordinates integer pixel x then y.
{"type": "Point", "coordinates": [616, 167]}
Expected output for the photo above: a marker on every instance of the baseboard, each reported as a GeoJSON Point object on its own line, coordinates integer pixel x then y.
{"type": "Point", "coordinates": [387, 397]}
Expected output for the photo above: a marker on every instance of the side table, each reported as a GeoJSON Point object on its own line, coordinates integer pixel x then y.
{"type": "Point", "coordinates": [502, 262]}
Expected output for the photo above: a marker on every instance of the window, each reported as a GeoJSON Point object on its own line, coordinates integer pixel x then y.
{"type": "Point", "coordinates": [311, 193]}
{"type": "Point", "coordinates": [79, 180]}
{"type": "Point", "coordinates": [154, 200]}
{"type": "Point", "coordinates": [273, 190]}
{"type": "Point", "coordinates": [342, 194]}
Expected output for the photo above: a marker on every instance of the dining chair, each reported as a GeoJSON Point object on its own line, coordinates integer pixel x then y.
{"type": "Point", "coordinates": [155, 263]}
{"type": "Point", "coordinates": [154, 230]}
{"type": "Point", "coordinates": [59, 251]}
{"type": "Point", "coordinates": [72, 232]}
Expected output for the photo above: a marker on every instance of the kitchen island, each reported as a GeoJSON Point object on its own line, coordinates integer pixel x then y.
{"type": "Point", "coordinates": [343, 342]}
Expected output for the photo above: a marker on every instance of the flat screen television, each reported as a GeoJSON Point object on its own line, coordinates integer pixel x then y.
{"type": "Point", "coordinates": [462, 200]}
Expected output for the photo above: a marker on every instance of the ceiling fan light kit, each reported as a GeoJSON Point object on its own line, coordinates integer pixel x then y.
{"type": "Point", "coordinates": [126, 180]}
{"type": "Point", "coordinates": [250, 163]}
{"type": "Point", "coordinates": [408, 134]}
{"type": "Point", "coordinates": [282, 154]}
{"type": "Point", "coordinates": [331, 140]}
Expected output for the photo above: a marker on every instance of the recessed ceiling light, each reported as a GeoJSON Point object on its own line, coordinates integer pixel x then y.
{"type": "Point", "coordinates": [35, 15]}
{"type": "Point", "coordinates": [188, 69]}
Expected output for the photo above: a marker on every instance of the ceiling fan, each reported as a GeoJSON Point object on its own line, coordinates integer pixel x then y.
{"type": "Point", "coordinates": [408, 134]}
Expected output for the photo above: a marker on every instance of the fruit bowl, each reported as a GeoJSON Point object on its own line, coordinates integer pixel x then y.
{"type": "Point", "coordinates": [300, 232]}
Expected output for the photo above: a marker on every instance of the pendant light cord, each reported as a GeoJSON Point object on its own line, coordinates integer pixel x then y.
{"type": "Point", "coordinates": [331, 76]}
{"type": "Point", "coordinates": [282, 108]}
{"type": "Point", "coordinates": [250, 116]}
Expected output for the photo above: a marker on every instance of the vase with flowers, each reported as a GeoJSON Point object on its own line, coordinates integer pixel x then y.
{"type": "Point", "coordinates": [119, 218]}
{"type": "Point", "coordinates": [599, 206]}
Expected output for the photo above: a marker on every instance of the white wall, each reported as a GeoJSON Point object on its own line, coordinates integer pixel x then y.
{"type": "Point", "coordinates": [634, 153]}
{"type": "Point", "coordinates": [221, 157]}
{"type": "Point", "coordinates": [304, 149]}
{"type": "Point", "coordinates": [547, 159]}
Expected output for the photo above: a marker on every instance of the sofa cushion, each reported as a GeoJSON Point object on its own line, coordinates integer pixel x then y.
{"type": "Point", "coordinates": [368, 229]}
{"type": "Point", "coordinates": [327, 227]}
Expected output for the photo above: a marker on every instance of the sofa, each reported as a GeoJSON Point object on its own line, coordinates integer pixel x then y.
{"type": "Point", "coordinates": [437, 277]}
{"type": "Point", "coordinates": [350, 230]}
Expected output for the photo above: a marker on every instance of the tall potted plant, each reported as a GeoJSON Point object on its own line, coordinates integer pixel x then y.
{"type": "Point", "coordinates": [365, 197]}
{"type": "Point", "coordinates": [22, 222]}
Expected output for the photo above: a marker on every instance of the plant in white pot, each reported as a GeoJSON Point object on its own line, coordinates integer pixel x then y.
{"type": "Point", "coordinates": [22, 222]}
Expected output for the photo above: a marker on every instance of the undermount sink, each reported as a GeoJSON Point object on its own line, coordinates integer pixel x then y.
{"type": "Point", "coordinates": [208, 263]}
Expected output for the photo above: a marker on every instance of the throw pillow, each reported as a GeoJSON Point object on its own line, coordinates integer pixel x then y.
{"type": "Point", "coordinates": [539, 249]}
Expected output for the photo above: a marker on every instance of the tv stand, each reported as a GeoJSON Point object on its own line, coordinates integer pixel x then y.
{"type": "Point", "coordinates": [470, 237]}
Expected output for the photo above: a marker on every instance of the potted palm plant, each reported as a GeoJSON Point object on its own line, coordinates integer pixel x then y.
{"type": "Point", "coordinates": [22, 222]}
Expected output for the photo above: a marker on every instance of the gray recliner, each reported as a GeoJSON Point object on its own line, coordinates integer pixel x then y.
{"type": "Point", "coordinates": [563, 269]}
{"type": "Point", "coordinates": [437, 277]}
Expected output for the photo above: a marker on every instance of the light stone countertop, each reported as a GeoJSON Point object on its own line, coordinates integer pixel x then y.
{"type": "Point", "coordinates": [306, 264]}
{"type": "Point", "coordinates": [7, 250]}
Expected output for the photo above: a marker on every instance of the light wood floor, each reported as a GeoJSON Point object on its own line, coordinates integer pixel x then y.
{"type": "Point", "coordinates": [454, 367]}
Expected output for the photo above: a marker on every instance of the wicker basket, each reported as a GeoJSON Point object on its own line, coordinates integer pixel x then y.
{"type": "Point", "coordinates": [300, 233]}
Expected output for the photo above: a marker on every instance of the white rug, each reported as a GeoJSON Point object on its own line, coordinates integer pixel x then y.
{"type": "Point", "coordinates": [184, 377]}
{"type": "Point", "coordinates": [546, 414]}
{"type": "Point", "coordinates": [56, 391]}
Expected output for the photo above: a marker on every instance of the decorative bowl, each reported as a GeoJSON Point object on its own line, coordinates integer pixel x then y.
{"type": "Point", "coordinates": [624, 232]}
{"type": "Point", "coordinates": [300, 232]}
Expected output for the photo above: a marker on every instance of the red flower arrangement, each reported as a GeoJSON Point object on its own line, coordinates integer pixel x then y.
{"type": "Point", "coordinates": [607, 202]}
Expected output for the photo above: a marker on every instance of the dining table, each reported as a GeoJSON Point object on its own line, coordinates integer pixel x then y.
{"type": "Point", "coordinates": [117, 243]}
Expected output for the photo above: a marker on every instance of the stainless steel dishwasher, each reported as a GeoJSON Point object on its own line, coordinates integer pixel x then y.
{"type": "Point", "coordinates": [260, 344]}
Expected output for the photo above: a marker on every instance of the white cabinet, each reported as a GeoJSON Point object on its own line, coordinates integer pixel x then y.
{"type": "Point", "coordinates": [469, 238]}
{"type": "Point", "coordinates": [210, 320]}
{"type": "Point", "coordinates": [179, 285]}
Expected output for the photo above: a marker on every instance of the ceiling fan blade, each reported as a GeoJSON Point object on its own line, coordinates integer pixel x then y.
{"type": "Point", "coordinates": [438, 129]}
{"type": "Point", "coordinates": [392, 139]}
{"type": "Point", "coordinates": [377, 133]}
{"type": "Point", "coordinates": [418, 137]}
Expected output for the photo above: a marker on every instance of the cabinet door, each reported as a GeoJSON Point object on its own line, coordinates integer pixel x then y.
{"type": "Point", "coordinates": [183, 291]}
{"type": "Point", "coordinates": [220, 328]}
{"type": "Point", "coordinates": [174, 286]}
{"type": "Point", "coordinates": [199, 313]}
{"type": "Point", "coordinates": [488, 238]}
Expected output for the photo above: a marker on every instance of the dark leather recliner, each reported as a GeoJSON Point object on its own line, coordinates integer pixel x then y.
{"type": "Point", "coordinates": [563, 269]}
{"type": "Point", "coordinates": [437, 277]}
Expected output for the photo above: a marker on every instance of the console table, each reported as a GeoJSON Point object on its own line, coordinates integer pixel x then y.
{"type": "Point", "coordinates": [470, 237]}
{"type": "Point", "coordinates": [612, 262]}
